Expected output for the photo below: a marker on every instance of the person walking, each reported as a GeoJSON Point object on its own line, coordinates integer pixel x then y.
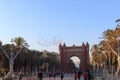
{"type": "Point", "coordinates": [50, 75]}
{"type": "Point", "coordinates": [89, 75]}
{"type": "Point", "coordinates": [85, 75]}
{"type": "Point", "coordinates": [54, 75]}
{"type": "Point", "coordinates": [79, 74]}
{"type": "Point", "coordinates": [40, 75]}
{"type": "Point", "coordinates": [62, 75]}
{"type": "Point", "coordinates": [75, 75]}
{"type": "Point", "coordinates": [20, 76]}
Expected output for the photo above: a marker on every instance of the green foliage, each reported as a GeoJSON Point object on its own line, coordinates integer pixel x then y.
{"type": "Point", "coordinates": [106, 52]}
{"type": "Point", "coordinates": [27, 60]}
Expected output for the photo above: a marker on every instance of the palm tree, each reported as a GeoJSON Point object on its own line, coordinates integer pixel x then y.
{"type": "Point", "coordinates": [117, 33]}
{"type": "Point", "coordinates": [110, 46]}
{"type": "Point", "coordinates": [95, 56]}
{"type": "Point", "coordinates": [20, 42]}
{"type": "Point", "coordinates": [20, 47]}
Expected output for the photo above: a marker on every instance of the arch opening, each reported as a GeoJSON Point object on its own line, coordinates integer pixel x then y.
{"type": "Point", "coordinates": [76, 61]}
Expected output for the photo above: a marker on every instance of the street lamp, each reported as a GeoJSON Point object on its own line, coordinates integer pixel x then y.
{"type": "Point", "coordinates": [47, 67]}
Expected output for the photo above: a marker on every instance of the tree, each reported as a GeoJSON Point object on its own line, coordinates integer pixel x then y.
{"type": "Point", "coordinates": [109, 48]}
{"type": "Point", "coordinates": [97, 57]}
{"type": "Point", "coordinates": [20, 42]}
{"type": "Point", "coordinates": [111, 41]}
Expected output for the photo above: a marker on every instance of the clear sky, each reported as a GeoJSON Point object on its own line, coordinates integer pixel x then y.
{"type": "Point", "coordinates": [41, 22]}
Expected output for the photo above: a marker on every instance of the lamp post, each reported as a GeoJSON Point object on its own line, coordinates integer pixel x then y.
{"type": "Point", "coordinates": [47, 67]}
{"type": "Point", "coordinates": [11, 59]}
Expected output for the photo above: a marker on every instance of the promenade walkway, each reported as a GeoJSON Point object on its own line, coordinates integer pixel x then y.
{"type": "Point", "coordinates": [70, 77]}
{"type": "Point", "coordinates": [66, 77]}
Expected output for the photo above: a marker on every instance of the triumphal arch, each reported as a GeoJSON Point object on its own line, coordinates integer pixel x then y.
{"type": "Point", "coordinates": [66, 52]}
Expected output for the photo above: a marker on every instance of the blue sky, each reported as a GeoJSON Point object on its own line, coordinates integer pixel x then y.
{"type": "Point", "coordinates": [40, 22]}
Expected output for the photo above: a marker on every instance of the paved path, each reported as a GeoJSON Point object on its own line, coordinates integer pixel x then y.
{"type": "Point", "coordinates": [60, 79]}
{"type": "Point", "coordinates": [57, 78]}
{"type": "Point", "coordinates": [65, 78]}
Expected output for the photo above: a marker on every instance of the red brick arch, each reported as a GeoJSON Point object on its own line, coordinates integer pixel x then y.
{"type": "Point", "coordinates": [66, 52]}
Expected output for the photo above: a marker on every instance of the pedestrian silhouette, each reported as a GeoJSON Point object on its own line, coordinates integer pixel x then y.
{"type": "Point", "coordinates": [89, 75]}
{"type": "Point", "coordinates": [75, 75]}
{"type": "Point", "coordinates": [79, 74]}
{"type": "Point", "coordinates": [62, 75]}
{"type": "Point", "coordinates": [40, 75]}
